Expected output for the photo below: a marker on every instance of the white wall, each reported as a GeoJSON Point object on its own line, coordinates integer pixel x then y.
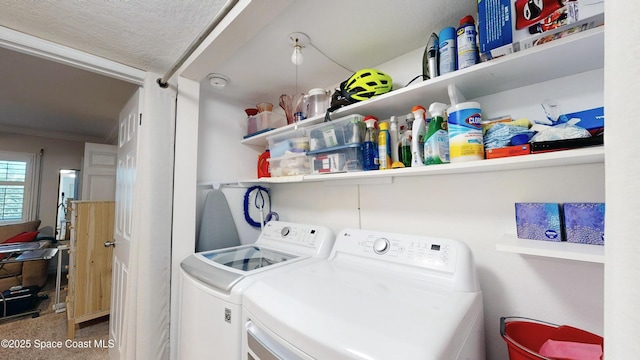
{"type": "Point", "coordinates": [58, 154]}
{"type": "Point", "coordinates": [622, 292]}
{"type": "Point", "coordinates": [221, 158]}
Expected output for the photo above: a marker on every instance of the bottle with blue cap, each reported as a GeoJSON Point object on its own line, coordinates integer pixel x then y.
{"type": "Point", "coordinates": [447, 52]}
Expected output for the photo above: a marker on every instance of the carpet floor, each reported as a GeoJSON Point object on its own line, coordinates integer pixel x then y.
{"type": "Point", "coordinates": [45, 336]}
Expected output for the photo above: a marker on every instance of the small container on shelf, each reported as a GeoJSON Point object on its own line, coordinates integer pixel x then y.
{"type": "Point", "coordinates": [264, 121]}
{"type": "Point", "coordinates": [289, 165]}
{"type": "Point", "coordinates": [345, 158]}
{"type": "Point", "coordinates": [291, 142]}
{"type": "Point", "coordinates": [343, 131]}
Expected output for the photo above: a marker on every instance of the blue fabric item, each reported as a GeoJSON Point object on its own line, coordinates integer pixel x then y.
{"type": "Point", "coordinates": [259, 202]}
{"type": "Point", "coordinates": [499, 135]}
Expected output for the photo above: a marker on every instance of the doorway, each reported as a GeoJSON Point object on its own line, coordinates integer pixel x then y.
{"type": "Point", "coordinates": [68, 184]}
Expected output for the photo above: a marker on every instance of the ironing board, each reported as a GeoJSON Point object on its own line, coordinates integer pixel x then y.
{"type": "Point", "coordinates": [30, 251]}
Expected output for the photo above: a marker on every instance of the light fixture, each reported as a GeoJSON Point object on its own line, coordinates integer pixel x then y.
{"type": "Point", "coordinates": [218, 80]}
{"type": "Point", "coordinates": [298, 40]}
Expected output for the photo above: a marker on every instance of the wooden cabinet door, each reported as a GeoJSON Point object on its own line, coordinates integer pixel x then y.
{"type": "Point", "coordinates": [93, 261]}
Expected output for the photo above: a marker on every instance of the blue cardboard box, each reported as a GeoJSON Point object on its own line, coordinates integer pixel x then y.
{"type": "Point", "coordinates": [584, 223]}
{"type": "Point", "coordinates": [507, 26]}
{"type": "Point", "coordinates": [592, 120]}
{"type": "Point", "coordinates": [539, 221]}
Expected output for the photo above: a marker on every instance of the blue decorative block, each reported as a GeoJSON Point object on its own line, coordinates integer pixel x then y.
{"type": "Point", "coordinates": [538, 221]}
{"type": "Point", "coordinates": [584, 223]}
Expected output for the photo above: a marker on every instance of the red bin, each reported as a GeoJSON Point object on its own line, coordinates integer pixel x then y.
{"type": "Point", "coordinates": [525, 336]}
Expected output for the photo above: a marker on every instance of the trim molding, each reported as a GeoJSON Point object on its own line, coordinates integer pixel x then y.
{"type": "Point", "coordinates": [27, 44]}
{"type": "Point", "coordinates": [51, 134]}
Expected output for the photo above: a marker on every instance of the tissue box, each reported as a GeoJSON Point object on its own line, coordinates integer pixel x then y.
{"type": "Point", "coordinates": [584, 223]}
{"type": "Point", "coordinates": [539, 221]}
{"type": "Point", "coordinates": [507, 26]}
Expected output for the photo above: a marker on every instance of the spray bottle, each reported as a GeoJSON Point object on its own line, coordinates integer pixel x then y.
{"type": "Point", "coordinates": [417, 136]}
{"type": "Point", "coordinates": [370, 146]}
{"type": "Point", "coordinates": [395, 141]}
{"type": "Point", "coordinates": [384, 146]}
{"type": "Point", "coordinates": [436, 143]}
{"type": "Point", "coordinates": [405, 141]}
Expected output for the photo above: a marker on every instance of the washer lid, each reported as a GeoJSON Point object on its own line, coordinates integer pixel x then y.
{"type": "Point", "coordinates": [337, 310]}
{"type": "Point", "coordinates": [224, 268]}
{"type": "Point", "coordinates": [247, 258]}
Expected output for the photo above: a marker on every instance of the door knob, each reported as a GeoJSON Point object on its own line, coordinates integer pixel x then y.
{"type": "Point", "coordinates": [109, 243]}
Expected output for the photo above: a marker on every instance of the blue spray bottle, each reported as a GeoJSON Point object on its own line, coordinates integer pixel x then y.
{"type": "Point", "coordinates": [370, 146]}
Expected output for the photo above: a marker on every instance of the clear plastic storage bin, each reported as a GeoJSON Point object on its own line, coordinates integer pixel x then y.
{"type": "Point", "coordinates": [264, 121]}
{"type": "Point", "coordinates": [288, 143]}
{"type": "Point", "coordinates": [344, 131]}
{"type": "Point", "coordinates": [343, 158]}
{"type": "Point", "coordinates": [290, 165]}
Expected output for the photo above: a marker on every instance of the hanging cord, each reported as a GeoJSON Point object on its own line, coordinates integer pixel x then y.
{"type": "Point", "coordinates": [424, 77]}
{"type": "Point", "coordinates": [259, 203]}
{"type": "Point", "coordinates": [328, 57]}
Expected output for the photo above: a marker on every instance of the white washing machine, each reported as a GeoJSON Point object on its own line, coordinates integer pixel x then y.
{"type": "Point", "coordinates": [212, 283]}
{"type": "Point", "coordinates": [378, 296]}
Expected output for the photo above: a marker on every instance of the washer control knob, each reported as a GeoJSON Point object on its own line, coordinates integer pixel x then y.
{"type": "Point", "coordinates": [285, 231]}
{"type": "Point", "coordinates": [381, 245]}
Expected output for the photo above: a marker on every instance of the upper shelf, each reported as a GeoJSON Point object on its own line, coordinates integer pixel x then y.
{"type": "Point", "coordinates": [567, 56]}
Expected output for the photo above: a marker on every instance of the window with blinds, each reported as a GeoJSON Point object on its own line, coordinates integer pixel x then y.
{"type": "Point", "coordinates": [14, 176]}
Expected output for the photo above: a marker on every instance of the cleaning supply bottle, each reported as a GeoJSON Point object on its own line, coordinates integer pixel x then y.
{"type": "Point", "coordinates": [395, 140]}
{"type": "Point", "coordinates": [384, 146]}
{"type": "Point", "coordinates": [447, 50]}
{"type": "Point", "coordinates": [370, 146]}
{"type": "Point", "coordinates": [263, 164]}
{"type": "Point", "coordinates": [417, 136]}
{"type": "Point", "coordinates": [466, 43]}
{"type": "Point", "coordinates": [405, 141]}
{"type": "Point", "coordinates": [436, 143]}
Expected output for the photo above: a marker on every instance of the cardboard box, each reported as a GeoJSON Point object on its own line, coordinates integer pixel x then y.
{"type": "Point", "coordinates": [584, 223]}
{"type": "Point", "coordinates": [539, 221]}
{"type": "Point", "coordinates": [515, 150]}
{"type": "Point", "coordinates": [592, 120]}
{"type": "Point", "coordinates": [507, 26]}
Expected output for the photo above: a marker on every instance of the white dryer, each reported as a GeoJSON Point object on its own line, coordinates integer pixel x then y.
{"type": "Point", "coordinates": [378, 296]}
{"type": "Point", "coordinates": [212, 283]}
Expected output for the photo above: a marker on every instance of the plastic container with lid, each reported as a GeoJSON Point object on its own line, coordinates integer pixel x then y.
{"type": "Point", "coordinates": [263, 121]}
{"type": "Point", "coordinates": [317, 102]}
{"type": "Point", "coordinates": [345, 158]}
{"type": "Point", "coordinates": [343, 131]}
{"type": "Point", "coordinates": [289, 165]}
{"type": "Point", "coordinates": [291, 142]}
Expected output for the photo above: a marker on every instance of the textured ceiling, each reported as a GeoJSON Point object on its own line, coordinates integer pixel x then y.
{"type": "Point", "coordinates": [148, 35]}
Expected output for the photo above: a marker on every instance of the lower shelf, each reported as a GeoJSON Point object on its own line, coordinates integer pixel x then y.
{"type": "Point", "coordinates": [551, 249]}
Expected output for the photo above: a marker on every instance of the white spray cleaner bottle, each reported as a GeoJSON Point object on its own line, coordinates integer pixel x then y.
{"type": "Point", "coordinates": [418, 132]}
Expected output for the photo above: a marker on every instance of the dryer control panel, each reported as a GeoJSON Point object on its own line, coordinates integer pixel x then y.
{"type": "Point", "coordinates": [441, 260]}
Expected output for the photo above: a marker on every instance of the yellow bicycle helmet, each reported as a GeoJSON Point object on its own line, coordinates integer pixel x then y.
{"type": "Point", "coordinates": [365, 84]}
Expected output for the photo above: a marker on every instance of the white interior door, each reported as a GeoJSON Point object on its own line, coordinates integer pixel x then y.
{"type": "Point", "coordinates": [99, 172]}
{"type": "Point", "coordinates": [125, 191]}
